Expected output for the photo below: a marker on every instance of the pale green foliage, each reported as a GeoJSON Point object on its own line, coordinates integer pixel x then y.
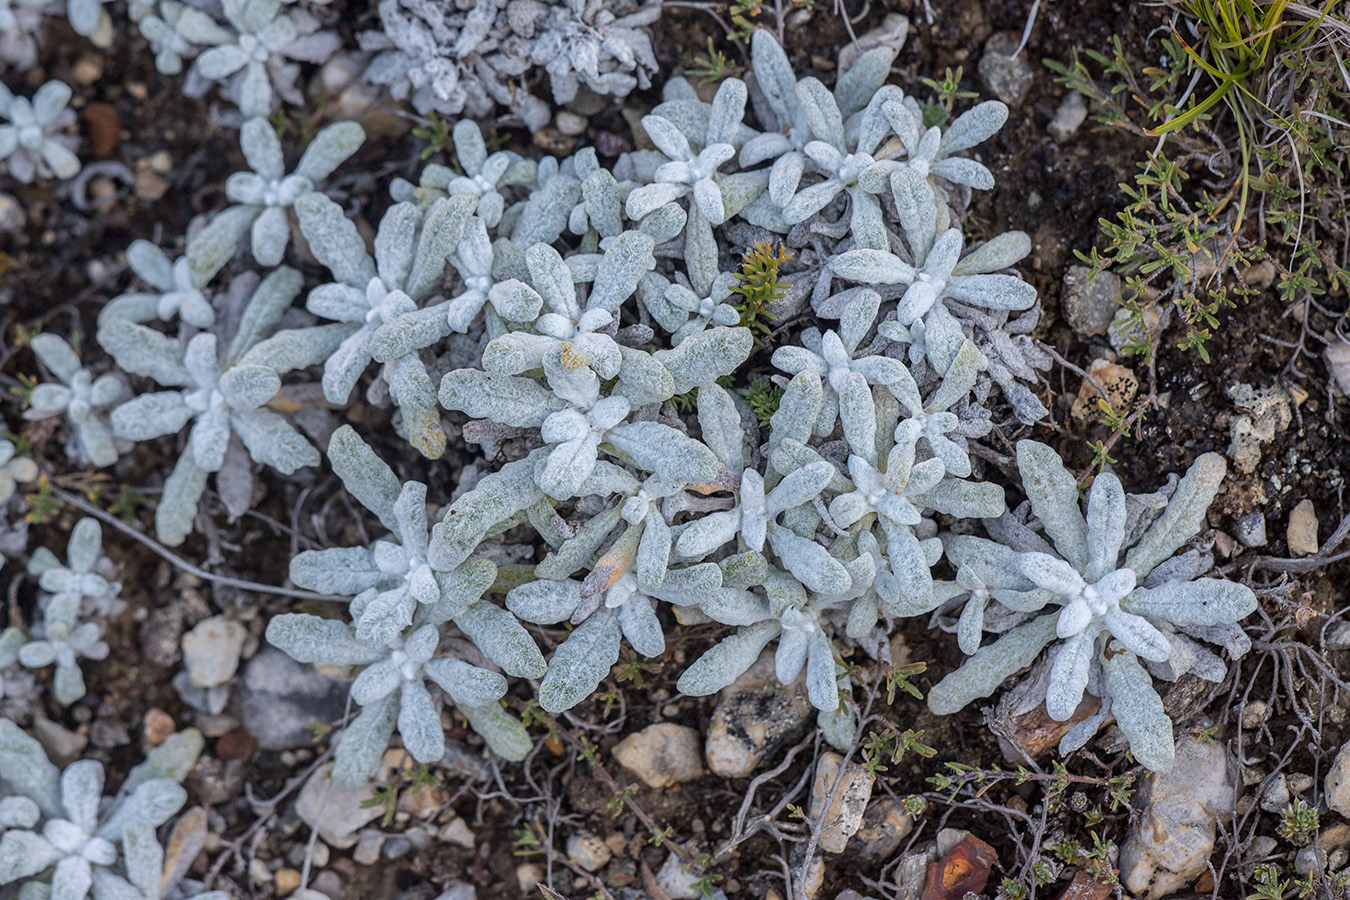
{"type": "Point", "coordinates": [399, 602]}
{"type": "Point", "coordinates": [577, 324]}
{"type": "Point", "coordinates": [1113, 618]}
{"type": "Point", "coordinates": [80, 396]}
{"type": "Point", "coordinates": [65, 835]}
{"type": "Point", "coordinates": [60, 639]}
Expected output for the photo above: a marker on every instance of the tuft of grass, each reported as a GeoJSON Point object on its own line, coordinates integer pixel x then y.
{"type": "Point", "coordinates": [1252, 92]}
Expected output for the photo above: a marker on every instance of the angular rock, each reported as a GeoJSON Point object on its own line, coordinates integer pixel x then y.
{"type": "Point", "coordinates": [754, 716]}
{"type": "Point", "coordinates": [1252, 529]}
{"type": "Point", "coordinates": [211, 651]}
{"type": "Point", "coordinates": [677, 879]}
{"type": "Point", "coordinates": [885, 824]}
{"type": "Point", "coordinates": [588, 851]}
{"type": "Point", "coordinates": [1264, 413]}
{"type": "Point", "coordinates": [1276, 795]}
{"type": "Point", "coordinates": [278, 700]}
{"type": "Point", "coordinates": [661, 755]}
{"type": "Point", "coordinates": [1089, 306]}
{"type": "Point", "coordinates": [1337, 782]}
{"type": "Point", "coordinates": [334, 809]}
{"type": "Point", "coordinates": [962, 870]}
{"type": "Point", "coordinates": [1119, 383]}
{"type": "Point", "coordinates": [1170, 843]}
{"type": "Point", "coordinates": [1302, 533]}
{"type": "Point", "coordinates": [1069, 117]}
{"type": "Point", "coordinates": [841, 812]}
{"type": "Point", "coordinates": [1006, 75]}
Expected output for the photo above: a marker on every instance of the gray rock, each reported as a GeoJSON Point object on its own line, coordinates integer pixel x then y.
{"type": "Point", "coordinates": [1300, 782]}
{"type": "Point", "coordinates": [334, 809]}
{"type": "Point", "coordinates": [1337, 782]}
{"type": "Point", "coordinates": [211, 651]}
{"type": "Point", "coordinates": [1089, 306]}
{"type": "Point", "coordinates": [277, 697]}
{"type": "Point", "coordinates": [1262, 846]}
{"type": "Point", "coordinates": [1008, 77]}
{"type": "Point", "coordinates": [1170, 843]}
{"type": "Point", "coordinates": [1276, 795]}
{"type": "Point", "coordinates": [459, 890]}
{"type": "Point", "coordinates": [754, 716]}
{"type": "Point", "coordinates": [1310, 860]}
{"type": "Point", "coordinates": [885, 824]}
{"type": "Point", "coordinates": [912, 872]}
{"type": "Point", "coordinates": [367, 851]}
{"type": "Point", "coordinates": [661, 754]}
{"type": "Point", "coordinates": [839, 810]}
{"type": "Point", "coordinates": [677, 880]}
{"type": "Point", "coordinates": [1069, 117]}
{"type": "Point", "coordinates": [588, 851]}
{"type": "Point", "coordinates": [63, 746]}
{"type": "Point", "coordinates": [1302, 533]}
{"type": "Point", "coordinates": [948, 838]}
{"type": "Point", "coordinates": [1252, 529]}
{"type": "Point", "coordinates": [569, 123]}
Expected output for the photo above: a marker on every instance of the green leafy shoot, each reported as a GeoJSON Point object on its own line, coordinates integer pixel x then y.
{"type": "Point", "coordinates": [759, 287]}
{"type": "Point", "coordinates": [712, 66]}
{"type": "Point", "coordinates": [763, 397]}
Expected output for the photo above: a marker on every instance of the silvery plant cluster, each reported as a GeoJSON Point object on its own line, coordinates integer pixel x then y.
{"type": "Point", "coordinates": [570, 331]}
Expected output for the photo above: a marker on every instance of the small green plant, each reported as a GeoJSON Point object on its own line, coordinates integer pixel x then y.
{"type": "Point", "coordinates": [436, 132]}
{"type": "Point", "coordinates": [948, 90]}
{"type": "Point", "coordinates": [898, 679]}
{"type": "Point", "coordinates": [1298, 822]}
{"type": "Point", "coordinates": [763, 397]}
{"type": "Point", "coordinates": [890, 746]}
{"type": "Point", "coordinates": [712, 66]}
{"type": "Point", "coordinates": [759, 287]}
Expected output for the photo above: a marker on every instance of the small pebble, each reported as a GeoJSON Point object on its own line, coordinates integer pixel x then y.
{"type": "Point", "coordinates": [588, 851]}
{"type": "Point", "coordinates": [1310, 860]}
{"type": "Point", "coordinates": [367, 851]}
{"type": "Point", "coordinates": [569, 123]}
{"type": "Point", "coordinates": [1009, 77]}
{"type": "Point", "coordinates": [286, 880]}
{"type": "Point", "coordinates": [1300, 782]}
{"type": "Point", "coordinates": [1254, 713]}
{"type": "Point", "coordinates": [528, 875]}
{"type": "Point", "coordinates": [1069, 117]}
{"type": "Point", "coordinates": [457, 832]}
{"type": "Point", "coordinates": [156, 727]}
{"type": "Point", "coordinates": [1276, 795]}
{"type": "Point", "coordinates": [1252, 529]}
{"type": "Point", "coordinates": [211, 651]}
{"type": "Point", "coordinates": [1302, 532]}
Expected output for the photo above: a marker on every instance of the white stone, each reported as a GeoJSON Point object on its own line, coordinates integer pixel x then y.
{"type": "Point", "coordinates": [211, 651]}
{"type": "Point", "coordinates": [661, 754]}
{"type": "Point", "coordinates": [588, 851]}
{"type": "Point", "coordinates": [754, 716]}
{"type": "Point", "coordinates": [1169, 846]}
{"type": "Point", "coordinates": [1337, 782]}
{"type": "Point", "coordinates": [678, 879]}
{"type": "Point", "coordinates": [839, 810]}
{"type": "Point", "coordinates": [1302, 533]}
{"type": "Point", "coordinates": [335, 808]}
